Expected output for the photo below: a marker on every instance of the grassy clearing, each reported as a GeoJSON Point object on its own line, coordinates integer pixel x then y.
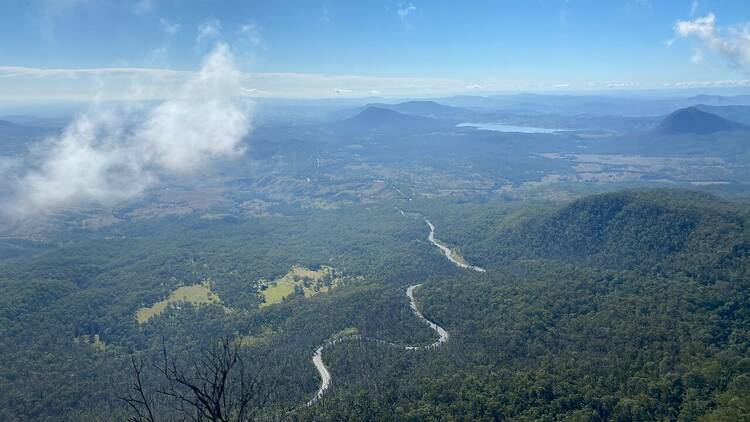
{"type": "Point", "coordinates": [348, 331]}
{"type": "Point", "coordinates": [276, 292]}
{"type": "Point", "coordinates": [196, 294]}
{"type": "Point", "coordinates": [309, 282]}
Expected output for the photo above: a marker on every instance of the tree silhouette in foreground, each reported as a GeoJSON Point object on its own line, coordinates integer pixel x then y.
{"type": "Point", "coordinates": [219, 383]}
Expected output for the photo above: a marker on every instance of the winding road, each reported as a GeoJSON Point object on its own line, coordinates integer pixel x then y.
{"type": "Point", "coordinates": [317, 359]}
{"type": "Point", "coordinates": [325, 374]}
{"type": "Point", "coordinates": [447, 252]}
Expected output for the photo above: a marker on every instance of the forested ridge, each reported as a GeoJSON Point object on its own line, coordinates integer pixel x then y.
{"type": "Point", "coordinates": [644, 325]}
{"type": "Point", "coordinates": [630, 305]}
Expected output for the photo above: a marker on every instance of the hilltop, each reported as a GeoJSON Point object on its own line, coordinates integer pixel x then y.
{"type": "Point", "coordinates": [693, 120]}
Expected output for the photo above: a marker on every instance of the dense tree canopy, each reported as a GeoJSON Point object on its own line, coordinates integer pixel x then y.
{"type": "Point", "coordinates": [625, 306]}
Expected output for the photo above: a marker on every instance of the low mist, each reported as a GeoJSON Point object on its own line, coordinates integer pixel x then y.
{"type": "Point", "coordinates": [110, 154]}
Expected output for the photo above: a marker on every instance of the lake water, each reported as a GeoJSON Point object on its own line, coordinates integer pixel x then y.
{"type": "Point", "coordinates": [501, 127]}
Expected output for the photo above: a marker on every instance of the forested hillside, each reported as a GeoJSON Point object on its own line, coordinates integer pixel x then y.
{"type": "Point", "coordinates": [635, 230]}
{"type": "Point", "coordinates": [625, 306]}
{"type": "Point", "coordinates": [661, 334]}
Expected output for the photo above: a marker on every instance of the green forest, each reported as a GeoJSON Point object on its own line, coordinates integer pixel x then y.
{"type": "Point", "coordinates": [630, 305]}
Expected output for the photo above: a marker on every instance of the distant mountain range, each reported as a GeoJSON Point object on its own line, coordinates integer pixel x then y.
{"type": "Point", "coordinates": [695, 121]}
{"type": "Point", "coordinates": [688, 131]}
{"type": "Point", "coordinates": [737, 113]}
{"type": "Point", "coordinates": [15, 137]}
{"type": "Point", "coordinates": [720, 100]}
{"type": "Point", "coordinates": [425, 109]}
{"type": "Point", "coordinates": [598, 105]}
{"type": "Point", "coordinates": [13, 129]}
{"type": "Point", "coordinates": [385, 120]}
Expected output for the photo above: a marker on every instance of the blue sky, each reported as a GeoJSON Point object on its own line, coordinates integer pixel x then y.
{"type": "Point", "coordinates": [355, 48]}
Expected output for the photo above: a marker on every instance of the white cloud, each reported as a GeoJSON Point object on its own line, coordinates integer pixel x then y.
{"type": "Point", "coordinates": [728, 83]}
{"type": "Point", "coordinates": [25, 83]}
{"type": "Point", "coordinates": [404, 12]}
{"type": "Point", "coordinates": [252, 34]}
{"type": "Point", "coordinates": [108, 155]}
{"type": "Point", "coordinates": [142, 84]}
{"type": "Point", "coordinates": [169, 27]}
{"type": "Point", "coordinates": [620, 85]}
{"type": "Point", "coordinates": [37, 72]}
{"type": "Point", "coordinates": [732, 43]}
{"type": "Point", "coordinates": [208, 29]}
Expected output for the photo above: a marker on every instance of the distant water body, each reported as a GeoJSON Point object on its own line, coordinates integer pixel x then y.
{"type": "Point", "coordinates": [501, 127]}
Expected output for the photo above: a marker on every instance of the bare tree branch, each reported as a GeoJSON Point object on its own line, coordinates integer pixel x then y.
{"type": "Point", "coordinates": [220, 384]}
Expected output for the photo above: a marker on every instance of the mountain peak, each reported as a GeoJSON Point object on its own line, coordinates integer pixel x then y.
{"type": "Point", "coordinates": [424, 108]}
{"type": "Point", "coordinates": [383, 119]}
{"type": "Point", "coordinates": [693, 120]}
{"type": "Point", "coordinates": [372, 111]}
